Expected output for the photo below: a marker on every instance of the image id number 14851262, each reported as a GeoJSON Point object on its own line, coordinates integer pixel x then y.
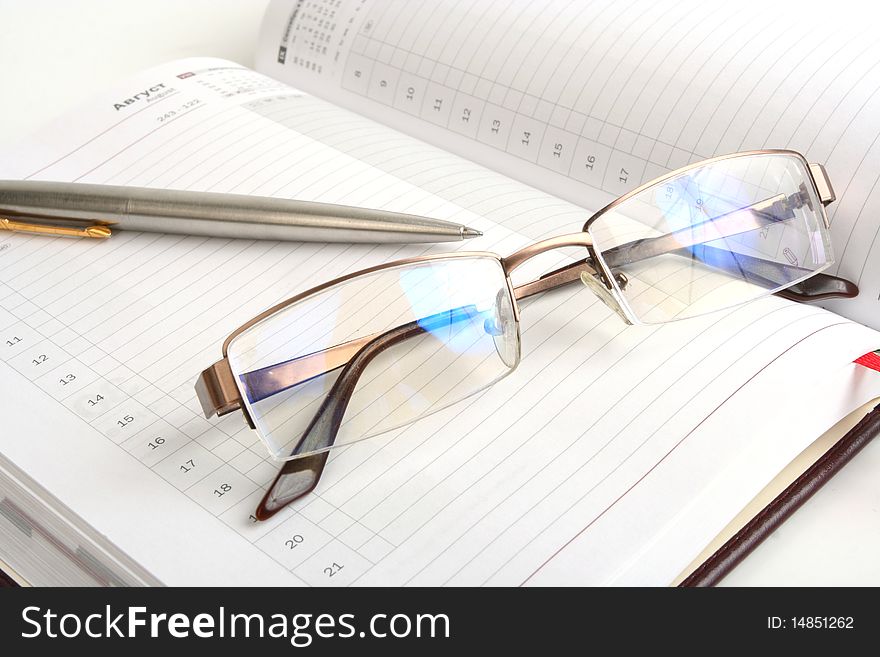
{"type": "Point", "coordinates": [810, 623]}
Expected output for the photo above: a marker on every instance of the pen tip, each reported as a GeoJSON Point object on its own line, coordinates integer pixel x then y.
{"type": "Point", "coordinates": [469, 233]}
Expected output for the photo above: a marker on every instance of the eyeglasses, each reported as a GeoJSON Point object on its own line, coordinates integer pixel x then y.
{"type": "Point", "coordinates": [380, 348]}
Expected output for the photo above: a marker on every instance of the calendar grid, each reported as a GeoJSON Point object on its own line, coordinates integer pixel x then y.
{"type": "Point", "coordinates": [99, 389]}
{"type": "Point", "coordinates": [587, 154]}
{"type": "Point", "coordinates": [219, 464]}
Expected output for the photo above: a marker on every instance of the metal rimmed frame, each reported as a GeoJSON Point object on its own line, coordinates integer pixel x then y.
{"type": "Point", "coordinates": [219, 392]}
{"type": "Point", "coordinates": [217, 389]}
{"type": "Point", "coordinates": [816, 172]}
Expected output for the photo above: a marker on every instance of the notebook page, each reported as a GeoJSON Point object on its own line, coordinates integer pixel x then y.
{"type": "Point", "coordinates": [700, 506]}
{"type": "Point", "coordinates": [105, 340]}
{"type": "Point", "coordinates": [587, 100]}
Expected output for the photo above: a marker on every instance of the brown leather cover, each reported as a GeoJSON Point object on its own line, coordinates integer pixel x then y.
{"type": "Point", "coordinates": [729, 555]}
{"type": "Point", "coordinates": [6, 580]}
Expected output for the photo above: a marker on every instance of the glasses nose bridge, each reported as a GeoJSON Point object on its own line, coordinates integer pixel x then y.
{"type": "Point", "coordinates": [514, 260]}
{"type": "Point", "coordinates": [582, 270]}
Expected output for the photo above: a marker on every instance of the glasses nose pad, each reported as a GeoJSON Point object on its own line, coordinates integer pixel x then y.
{"type": "Point", "coordinates": [592, 281]}
{"type": "Point", "coordinates": [502, 327]}
{"type": "Point", "coordinates": [492, 326]}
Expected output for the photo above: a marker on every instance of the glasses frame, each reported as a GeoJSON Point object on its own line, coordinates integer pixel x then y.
{"type": "Point", "coordinates": [817, 175]}
{"type": "Point", "coordinates": [219, 394]}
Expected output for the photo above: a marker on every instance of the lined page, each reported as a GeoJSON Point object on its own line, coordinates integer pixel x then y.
{"type": "Point", "coordinates": [101, 343]}
{"type": "Point", "coordinates": [587, 100]}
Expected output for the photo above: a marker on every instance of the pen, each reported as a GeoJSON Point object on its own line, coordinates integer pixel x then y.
{"type": "Point", "coordinates": [95, 211]}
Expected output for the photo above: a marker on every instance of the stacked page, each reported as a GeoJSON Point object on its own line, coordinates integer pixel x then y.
{"type": "Point", "coordinates": [612, 454]}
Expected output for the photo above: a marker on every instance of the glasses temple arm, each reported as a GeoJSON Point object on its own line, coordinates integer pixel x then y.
{"type": "Point", "coordinates": [778, 208]}
{"type": "Point", "coordinates": [267, 381]}
{"type": "Point", "coordinates": [818, 287]}
{"type": "Point", "coordinates": [742, 220]}
{"type": "Point", "coordinates": [270, 380]}
{"type": "Point", "coordinates": [300, 476]}
{"type": "Point", "coordinates": [735, 222]}
{"type": "Point", "coordinates": [295, 479]}
{"type": "Point", "coordinates": [770, 273]}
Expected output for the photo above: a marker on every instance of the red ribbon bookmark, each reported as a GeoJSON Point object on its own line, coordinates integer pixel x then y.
{"type": "Point", "coordinates": [870, 360]}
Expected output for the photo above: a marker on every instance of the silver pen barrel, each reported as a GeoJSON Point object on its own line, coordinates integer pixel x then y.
{"type": "Point", "coordinates": [218, 215]}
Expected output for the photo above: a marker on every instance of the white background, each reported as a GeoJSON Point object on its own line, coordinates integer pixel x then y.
{"type": "Point", "coordinates": [54, 54]}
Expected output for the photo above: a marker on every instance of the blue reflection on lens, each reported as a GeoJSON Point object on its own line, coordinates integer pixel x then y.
{"type": "Point", "coordinates": [714, 256]}
{"type": "Point", "coordinates": [422, 287]}
{"type": "Point", "coordinates": [428, 288]}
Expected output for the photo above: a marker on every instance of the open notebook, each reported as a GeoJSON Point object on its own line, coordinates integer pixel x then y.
{"type": "Point", "coordinates": [612, 455]}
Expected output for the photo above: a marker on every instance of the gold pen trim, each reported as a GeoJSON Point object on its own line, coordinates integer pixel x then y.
{"type": "Point", "coordinates": [95, 231]}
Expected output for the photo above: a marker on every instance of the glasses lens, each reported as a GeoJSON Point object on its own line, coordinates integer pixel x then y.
{"type": "Point", "coordinates": [375, 352]}
{"type": "Point", "coordinates": [713, 237]}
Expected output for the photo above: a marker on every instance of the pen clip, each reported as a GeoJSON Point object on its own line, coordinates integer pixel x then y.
{"type": "Point", "coordinates": [96, 231]}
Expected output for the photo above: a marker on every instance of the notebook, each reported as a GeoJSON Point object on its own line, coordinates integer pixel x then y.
{"type": "Point", "coordinates": [612, 455]}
